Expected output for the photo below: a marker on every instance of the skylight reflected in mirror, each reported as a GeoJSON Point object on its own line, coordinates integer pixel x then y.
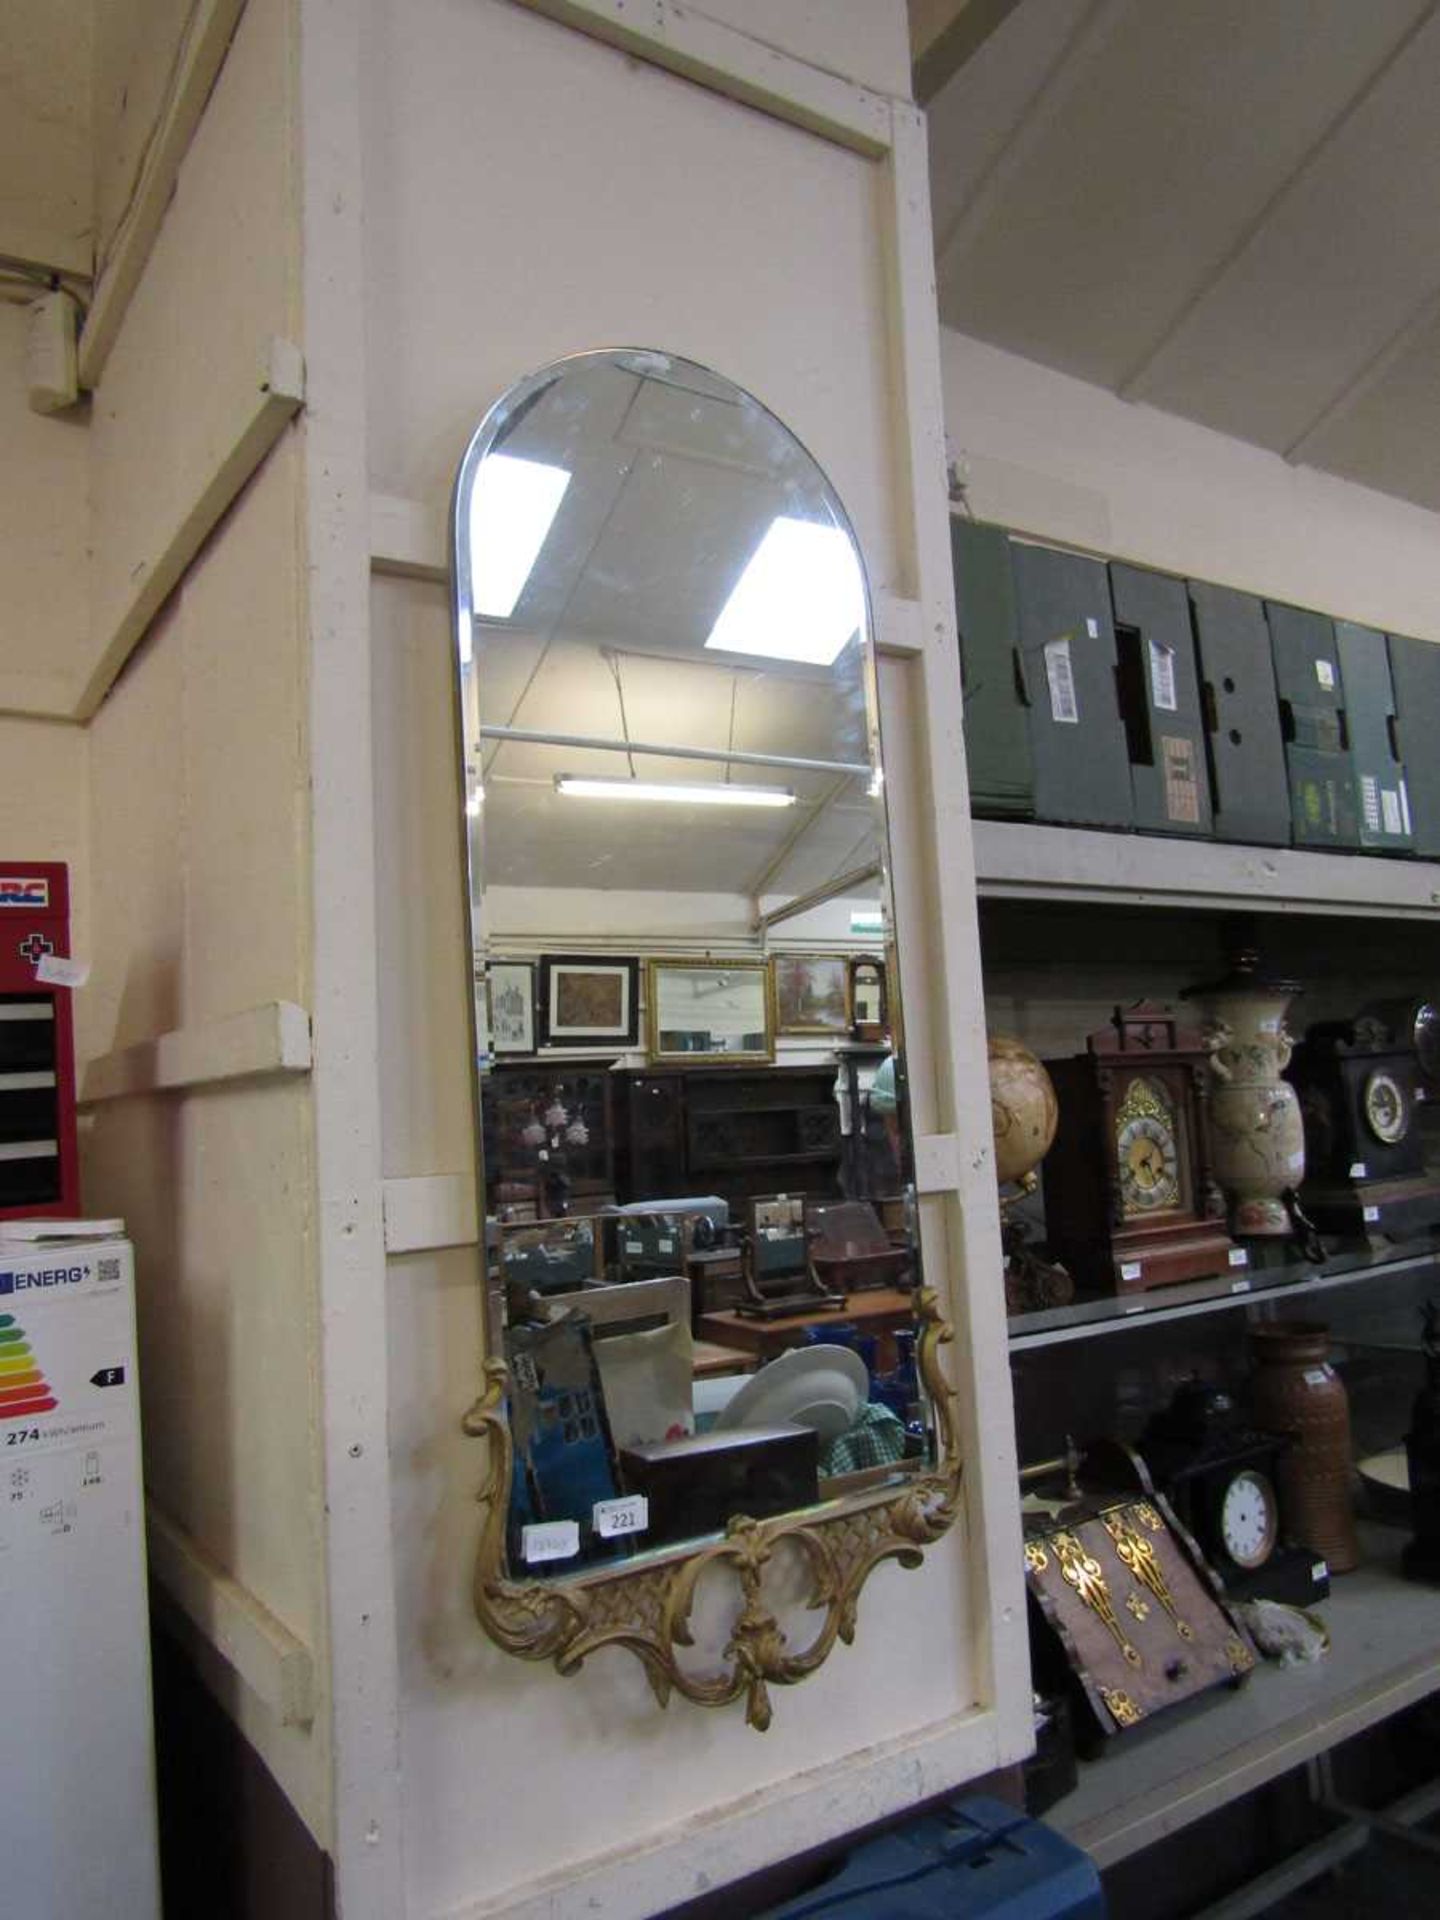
{"type": "Point", "coordinates": [800, 596]}
{"type": "Point", "coordinates": [512, 508]}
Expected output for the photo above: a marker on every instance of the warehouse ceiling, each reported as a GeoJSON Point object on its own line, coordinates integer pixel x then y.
{"type": "Point", "coordinates": [1222, 208]}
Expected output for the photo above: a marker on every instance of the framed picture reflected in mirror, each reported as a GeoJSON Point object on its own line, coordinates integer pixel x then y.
{"type": "Point", "coordinates": [811, 993]}
{"type": "Point", "coordinates": [706, 1010]}
{"type": "Point", "coordinates": [589, 1000]}
{"type": "Point", "coordinates": [510, 999]}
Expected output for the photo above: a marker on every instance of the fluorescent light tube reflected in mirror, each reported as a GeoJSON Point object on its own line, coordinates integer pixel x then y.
{"type": "Point", "coordinates": [512, 505]}
{"type": "Point", "coordinates": [707, 793]}
{"type": "Point", "coordinates": [799, 598]}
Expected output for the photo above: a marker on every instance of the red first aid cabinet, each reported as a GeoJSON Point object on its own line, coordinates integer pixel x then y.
{"type": "Point", "coordinates": [39, 1170]}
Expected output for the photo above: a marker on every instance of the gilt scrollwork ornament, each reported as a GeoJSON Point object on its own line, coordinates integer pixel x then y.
{"type": "Point", "coordinates": [1084, 1573]}
{"type": "Point", "coordinates": [1241, 1659]}
{"type": "Point", "coordinates": [1036, 1558]}
{"type": "Point", "coordinates": [1138, 1556]}
{"type": "Point", "coordinates": [648, 1610]}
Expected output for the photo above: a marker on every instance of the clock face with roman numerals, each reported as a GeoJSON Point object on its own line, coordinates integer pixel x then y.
{"type": "Point", "coordinates": [1147, 1152]}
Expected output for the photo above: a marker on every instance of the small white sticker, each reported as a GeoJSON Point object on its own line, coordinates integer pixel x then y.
{"type": "Point", "coordinates": [612, 1518]}
{"type": "Point", "coordinates": [1239, 1257]}
{"type": "Point", "coordinates": [1092, 627]}
{"type": "Point", "coordinates": [1325, 674]}
{"type": "Point", "coordinates": [1369, 1215]}
{"type": "Point", "coordinates": [1240, 1286]}
{"type": "Point", "coordinates": [549, 1540]}
{"type": "Point", "coordinates": [633, 1246]}
{"type": "Point", "coordinates": [666, 1246]}
{"type": "Point", "coordinates": [1390, 807]}
{"type": "Point", "coordinates": [1317, 1376]}
{"type": "Point", "coordinates": [56, 971]}
{"type": "Point", "coordinates": [1319, 1572]}
{"type": "Point", "coordinates": [1162, 677]}
{"type": "Point", "coordinates": [1131, 1269]}
{"type": "Point", "coordinates": [1358, 1170]}
{"type": "Point", "coordinates": [1064, 708]}
{"type": "Point", "coordinates": [1370, 801]}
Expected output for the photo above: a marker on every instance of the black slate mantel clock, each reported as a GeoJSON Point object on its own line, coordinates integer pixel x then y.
{"type": "Point", "coordinates": [1361, 1086]}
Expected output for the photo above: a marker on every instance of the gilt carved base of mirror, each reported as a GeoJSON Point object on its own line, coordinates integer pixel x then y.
{"type": "Point", "coordinates": [665, 711]}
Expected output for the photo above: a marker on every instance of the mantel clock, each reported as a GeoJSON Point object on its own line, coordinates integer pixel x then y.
{"type": "Point", "coordinates": [1130, 1202]}
{"type": "Point", "coordinates": [1361, 1086]}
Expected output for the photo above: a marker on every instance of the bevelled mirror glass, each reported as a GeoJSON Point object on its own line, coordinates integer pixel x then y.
{"type": "Point", "coordinates": [700, 1251]}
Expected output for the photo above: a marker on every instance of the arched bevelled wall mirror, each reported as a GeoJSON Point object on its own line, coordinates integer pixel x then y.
{"type": "Point", "coordinates": [708, 1335]}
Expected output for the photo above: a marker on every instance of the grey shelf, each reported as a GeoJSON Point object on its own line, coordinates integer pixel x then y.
{"type": "Point", "coordinates": [1384, 1656]}
{"type": "Point", "coordinates": [1091, 1319]}
{"type": "Point", "coordinates": [1019, 861]}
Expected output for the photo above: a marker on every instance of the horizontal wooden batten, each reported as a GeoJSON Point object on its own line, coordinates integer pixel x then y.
{"type": "Point", "coordinates": [732, 63]}
{"type": "Point", "coordinates": [272, 1662]}
{"type": "Point", "coordinates": [433, 1210]}
{"type": "Point", "coordinates": [206, 40]}
{"type": "Point", "coordinates": [258, 413]}
{"type": "Point", "coordinates": [269, 1039]}
{"type": "Point", "coordinates": [407, 538]}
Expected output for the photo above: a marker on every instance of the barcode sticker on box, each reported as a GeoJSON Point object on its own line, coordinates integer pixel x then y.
{"type": "Point", "coordinates": [1162, 677]}
{"type": "Point", "coordinates": [1325, 674]}
{"type": "Point", "coordinates": [1370, 801]}
{"type": "Point", "coordinates": [1130, 1269]}
{"type": "Point", "coordinates": [1061, 675]}
{"type": "Point", "coordinates": [1092, 627]}
{"type": "Point", "coordinates": [1240, 1286]}
{"type": "Point", "coordinates": [1370, 1215]}
{"type": "Point", "coordinates": [612, 1518]}
{"type": "Point", "coordinates": [1320, 1571]}
{"type": "Point", "coordinates": [549, 1540]}
{"type": "Point", "coordinates": [1239, 1257]}
{"type": "Point", "coordinates": [1357, 1170]}
{"type": "Point", "coordinates": [1390, 807]}
{"type": "Point", "coordinates": [1317, 1376]}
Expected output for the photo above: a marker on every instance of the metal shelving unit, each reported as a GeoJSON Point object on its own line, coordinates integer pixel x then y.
{"type": "Point", "coordinates": [1018, 861]}
{"type": "Point", "coordinates": [1091, 1319]}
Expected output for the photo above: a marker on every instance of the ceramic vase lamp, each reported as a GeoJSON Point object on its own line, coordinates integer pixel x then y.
{"type": "Point", "coordinates": [1257, 1141]}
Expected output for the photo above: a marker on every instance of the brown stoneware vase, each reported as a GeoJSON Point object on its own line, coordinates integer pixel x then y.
{"type": "Point", "coordinates": [1294, 1390]}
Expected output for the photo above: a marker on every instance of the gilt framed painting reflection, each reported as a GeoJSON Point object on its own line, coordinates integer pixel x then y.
{"type": "Point", "coordinates": [811, 993]}
{"type": "Point", "coordinates": [589, 1001]}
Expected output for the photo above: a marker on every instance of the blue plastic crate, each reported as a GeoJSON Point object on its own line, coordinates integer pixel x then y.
{"type": "Point", "coordinates": [976, 1856]}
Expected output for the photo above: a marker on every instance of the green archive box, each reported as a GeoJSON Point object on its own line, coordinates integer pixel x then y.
{"type": "Point", "coordinates": [1371, 732]}
{"type": "Point", "coordinates": [1415, 675]}
{"type": "Point", "coordinates": [997, 726]}
{"type": "Point", "coordinates": [1160, 699]}
{"type": "Point", "coordinates": [1245, 749]}
{"type": "Point", "coordinates": [1067, 650]}
{"type": "Point", "coordinates": [1323, 810]}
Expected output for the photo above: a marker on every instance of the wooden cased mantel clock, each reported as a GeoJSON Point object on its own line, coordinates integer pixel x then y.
{"type": "Point", "coordinates": [1130, 1200]}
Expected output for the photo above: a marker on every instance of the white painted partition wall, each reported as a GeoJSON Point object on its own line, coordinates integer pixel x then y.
{"type": "Point", "coordinates": [426, 199]}
{"type": "Point", "coordinates": [652, 211]}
